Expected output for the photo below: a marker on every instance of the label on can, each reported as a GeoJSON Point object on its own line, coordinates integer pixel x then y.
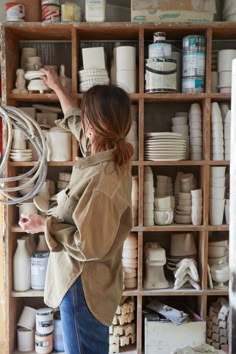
{"type": "Point", "coordinates": [15, 12]}
{"type": "Point", "coordinates": [160, 75]}
{"type": "Point", "coordinates": [194, 41]}
{"type": "Point", "coordinates": [193, 85]}
{"type": "Point", "coordinates": [193, 63]}
{"type": "Point", "coordinates": [157, 50]}
{"type": "Point", "coordinates": [51, 13]}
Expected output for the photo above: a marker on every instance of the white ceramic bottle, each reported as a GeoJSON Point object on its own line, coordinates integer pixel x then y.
{"type": "Point", "coordinates": [95, 10]}
{"type": "Point", "coordinates": [21, 267]}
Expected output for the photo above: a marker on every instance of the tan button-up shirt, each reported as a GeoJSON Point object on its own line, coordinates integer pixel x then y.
{"type": "Point", "coordinates": [86, 237]}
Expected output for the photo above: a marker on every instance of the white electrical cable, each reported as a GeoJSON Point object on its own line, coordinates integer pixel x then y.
{"type": "Point", "coordinates": [16, 118]}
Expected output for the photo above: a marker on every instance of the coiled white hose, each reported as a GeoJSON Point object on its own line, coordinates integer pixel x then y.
{"type": "Point", "coordinates": [16, 118]}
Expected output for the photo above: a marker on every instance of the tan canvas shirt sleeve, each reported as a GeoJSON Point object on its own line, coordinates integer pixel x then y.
{"type": "Point", "coordinates": [95, 211]}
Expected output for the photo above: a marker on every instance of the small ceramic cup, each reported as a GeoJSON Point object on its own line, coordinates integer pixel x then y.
{"type": "Point", "coordinates": [164, 217]}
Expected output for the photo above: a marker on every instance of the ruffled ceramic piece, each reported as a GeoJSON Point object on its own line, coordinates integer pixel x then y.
{"type": "Point", "coordinates": [33, 74]}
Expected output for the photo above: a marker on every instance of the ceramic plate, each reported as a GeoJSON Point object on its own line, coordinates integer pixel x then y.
{"type": "Point", "coordinates": [162, 135]}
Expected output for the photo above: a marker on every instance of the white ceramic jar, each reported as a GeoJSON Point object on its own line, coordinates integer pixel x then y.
{"type": "Point", "coordinates": [95, 10]}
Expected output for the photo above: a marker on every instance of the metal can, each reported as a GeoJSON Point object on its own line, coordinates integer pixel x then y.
{"type": "Point", "coordinates": [43, 343]}
{"type": "Point", "coordinates": [51, 11]}
{"type": "Point", "coordinates": [15, 12]}
{"type": "Point", "coordinates": [44, 320]}
{"type": "Point", "coordinates": [160, 75]}
{"type": "Point", "coordinates": [193, 84]}
{"type": "Point", "coordinates": [39, 262]}
{"type": "Point", "coordinates": [194, 41]}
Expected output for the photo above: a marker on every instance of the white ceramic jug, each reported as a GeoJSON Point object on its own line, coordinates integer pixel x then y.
{"type": "Point", "coordinates": [21, 267]}
{"type": "Point", "coordinates": [58, 144]}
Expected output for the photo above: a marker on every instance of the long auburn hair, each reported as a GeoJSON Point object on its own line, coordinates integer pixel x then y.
{"type": "Point", "coordinates": [107, 110]}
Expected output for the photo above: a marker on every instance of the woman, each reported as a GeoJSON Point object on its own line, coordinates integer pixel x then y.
{"type": "Point", "coordinates": [85, 238]}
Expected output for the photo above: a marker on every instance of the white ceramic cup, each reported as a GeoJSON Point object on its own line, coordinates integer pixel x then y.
{"type": "Point", "coordinates": [163, 203]}
{"type": "Point", "coordinates": [19, 141]}
{"type": "Point", "coordinates": [25, 339]}
{"type": "Point", "coordinates": [27, 318]}
{"type": "Point", "coordinates": [217, 211]}
{"type": "Point", "coordinates": [164, 217]}
{"type": "Point", "coordinates": [218, 171]}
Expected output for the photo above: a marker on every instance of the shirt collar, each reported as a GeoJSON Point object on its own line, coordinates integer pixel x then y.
{"type": "Point", "coordinates": [94, 159]}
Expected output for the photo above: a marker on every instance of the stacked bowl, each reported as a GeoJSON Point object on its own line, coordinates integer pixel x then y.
{"type": "Point", "coordinates": [183, 209]}
{"type": "Point", "coordinates": [217, 195]}
{"type": "Point", "coordinates": [196, 214]}
{"type": "Point", "coordinates": [129, 261]}
{"type": "Point", "coordinates": [195, 127]}
{"type": "Point", "coordinates": [224, 63]}
{"type": "Point", "coordinates": [217, 133]}
{"type": "Point", "coordinates": [148, 190]}
{"type": "Point", "coordinates": [227, 135]}
{"type": "Point", "coordinates": [180, 125]}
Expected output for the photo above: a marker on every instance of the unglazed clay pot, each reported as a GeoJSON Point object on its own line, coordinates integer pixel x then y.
{"type": "Point", "coordinates": [37, 85]}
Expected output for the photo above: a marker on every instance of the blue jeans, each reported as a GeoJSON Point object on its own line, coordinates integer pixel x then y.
{"type": "Point", "coordinates": [82, 332]}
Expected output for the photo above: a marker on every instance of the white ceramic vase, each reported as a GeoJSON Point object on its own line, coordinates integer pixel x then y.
{"type": "Point", "coordinates": [21, 267]}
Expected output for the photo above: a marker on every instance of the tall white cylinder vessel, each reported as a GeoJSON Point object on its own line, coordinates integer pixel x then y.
{"type": "Point", "coordinates": [21, 267]}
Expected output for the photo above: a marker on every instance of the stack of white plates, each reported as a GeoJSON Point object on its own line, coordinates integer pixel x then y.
{"type": "Point", "coordinates": [164, 146]}
{"type": "Point", "coordinates": [92, 77]}
{"type": "Point", "coordinates": [21, 155]}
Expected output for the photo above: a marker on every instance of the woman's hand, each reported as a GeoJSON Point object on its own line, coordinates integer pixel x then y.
{"type": "Point", "coordinates": [51, 79]}
{"type": "Point", "coordinates": [32, 223]}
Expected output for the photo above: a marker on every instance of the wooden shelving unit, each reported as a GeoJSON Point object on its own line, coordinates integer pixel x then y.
{"type": "Point", "coordinates": [12, 35]}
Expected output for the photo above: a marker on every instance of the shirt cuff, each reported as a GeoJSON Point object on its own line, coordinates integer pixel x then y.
{"type": "Point", "coordinates": [63, 123]}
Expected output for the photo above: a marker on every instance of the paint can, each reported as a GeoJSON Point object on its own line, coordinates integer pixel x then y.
{"type": "Point", "coordinates": [159, 48]}
{"type": "Point", "coordinates": [39, 262]}
{"type": "Point", "coordinates": [43, 343]}
{"type": "Point", "coordinates": [44, 320]}
{"type": "Point", "coordinates": [194, 49]}
{"type": "Point", "coordinates": [193, 84]}
{"type": "Point", "coordinates": [51, 11]}
{"type": "Point", "coordinates": [15, 12]}
{"type": "Point", "coordinates": [160, 75]}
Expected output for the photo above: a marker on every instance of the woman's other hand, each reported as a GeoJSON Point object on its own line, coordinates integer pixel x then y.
{"type": "Point", "coordinates": [32, 223]}
{"type": "Point", "coordinates": [51, 79]}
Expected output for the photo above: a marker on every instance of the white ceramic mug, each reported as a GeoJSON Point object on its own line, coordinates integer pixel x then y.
{"type": "Point", "coordinates": [164, 217]}
{"type": "Point", "coordinates": [58, 145]}
{"type": "Point", "coordinates": [27, 318]}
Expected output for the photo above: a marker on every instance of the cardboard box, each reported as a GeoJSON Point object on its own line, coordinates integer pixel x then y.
{"type": "Point", "coordinates": [166, 337]}
{"type": "Point", "coordinates": [172, 10]}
